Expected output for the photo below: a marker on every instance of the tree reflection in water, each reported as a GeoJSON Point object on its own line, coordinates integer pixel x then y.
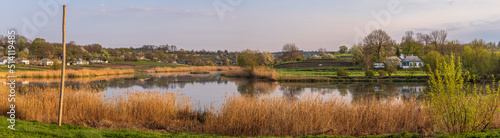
{"type": "Point", "coordinates": [292, 91]}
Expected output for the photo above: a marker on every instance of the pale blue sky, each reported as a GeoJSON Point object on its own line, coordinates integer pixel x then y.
{"type": "Point", "coordinates": [263, 25]}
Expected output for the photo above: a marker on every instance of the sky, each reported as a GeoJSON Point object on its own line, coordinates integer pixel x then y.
{"type": "Point", "coordinates": [235, 25]}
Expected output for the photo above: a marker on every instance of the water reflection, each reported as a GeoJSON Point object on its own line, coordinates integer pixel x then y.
{"type": "Point", "coordinates": [208, 88]}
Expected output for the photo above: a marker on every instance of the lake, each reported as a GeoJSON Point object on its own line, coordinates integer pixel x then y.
{"type": "Point", "coordinates": [207, 89]}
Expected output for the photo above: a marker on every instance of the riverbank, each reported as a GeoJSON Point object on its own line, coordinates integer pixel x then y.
{"type": "Point", "coordinates": [238, 116]}
{"type": "Point", "coordinates": [34, 129]}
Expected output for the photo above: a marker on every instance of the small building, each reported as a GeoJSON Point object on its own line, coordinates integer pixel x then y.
{"type": "Point", "coordinates": [412, 62]}
{"type": "Point", "coordinates": [96, 60]}
{"type": "Point", "coordinates": [47, 62]}
{"type": "Point", "coordinates": [378, 65]}
{"type": "Point", "coordinates": [81, 62]}
{"type": "Point", "coordinates": [3, 61]}
{"type": "Point", "coordinates": [22, 60]}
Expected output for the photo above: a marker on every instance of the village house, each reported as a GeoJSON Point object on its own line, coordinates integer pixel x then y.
{"type": "Point", "coordinates": [96, 60]}
{"type": "Point", "coordinates": [81, 62]}
{"type": "Point", "coordinates": [411, 62]}
{"type": "Point", "coordinates": [22, 60]}
{"type": "Point", "coordinates": [47, 62]}
{"type": "Point", "coordinates": [378, 65]}
{"type": "Point", "coordinates": [3, 60]}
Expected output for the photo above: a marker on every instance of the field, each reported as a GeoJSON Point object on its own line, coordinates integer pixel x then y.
{"type": "Point", "coordinates": [325, 72]}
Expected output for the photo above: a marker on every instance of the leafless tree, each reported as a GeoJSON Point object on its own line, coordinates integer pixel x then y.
{"type": "Point", "coordinates": [322, 51]}
{"type": "Point", "coordinates": [290, 52]}
{"type": "Point", "coordinates": [408, 37]}
{"type": "Point", "coordinates": [378, 42]}
{"type": "Point", "coordinates": [439, 37]}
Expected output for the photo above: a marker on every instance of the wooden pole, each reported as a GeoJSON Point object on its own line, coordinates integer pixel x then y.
{"type": "Point", "coordinates": [63, 66]}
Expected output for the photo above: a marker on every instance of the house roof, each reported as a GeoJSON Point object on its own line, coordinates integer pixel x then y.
{"type": "Point", "coordinates": [412, 59]}
{"type": "Point", "coordinates": [46, 60]}
{"type": "Point", "coordinates": [21, 58]}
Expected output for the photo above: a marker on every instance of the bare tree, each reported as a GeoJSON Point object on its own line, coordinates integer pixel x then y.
{"type": "Point", "coordinates": [378, 42]}
{"type": "Point", "coordinates": [423, 39]}
{"type": "Point", "coordinates": [290, 52]}
{"type": "Point", "coordinates": [439, 37]}
{"type": "Point", "coordinates": [322, 51]}
{"type": "Point", "coordinates": [408, 37]}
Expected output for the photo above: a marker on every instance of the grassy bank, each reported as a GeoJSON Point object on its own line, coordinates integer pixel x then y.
{"type": "Point", "coordinates": [34, 129]}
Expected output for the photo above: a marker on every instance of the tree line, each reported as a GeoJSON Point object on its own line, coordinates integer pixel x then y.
{"type": "Point", "coordinates": [39, 48]}
{"type": "Point", "coordinates": [478, 56]}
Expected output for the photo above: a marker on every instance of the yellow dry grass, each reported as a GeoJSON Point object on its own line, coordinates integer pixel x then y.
{"type": "Point", "coordinates": [256, 73]}
{"type": "Point", "coordinates": [239, 115]}
{"type": "Point", "coordinates": [191, 69]}
{"type": "Point", "coordinates": [85, 107]}
{"type": "Point", "coordinates": [70, 73]}
{"type": "Point", "coordinates": [277, 116]}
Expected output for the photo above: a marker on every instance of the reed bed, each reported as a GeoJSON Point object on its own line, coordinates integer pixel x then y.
{"type": "Point", "coordinates": [255, 73]}
{"type": "Point", "coordinates": [70, 73]}
{"type": "Point", "coordinates": [191, 69]}
{"type": "Point", "coordinates": [145, 110]}
{"type": "Point", "coordinates": [238, 116]}
{"type": "Point", "coordinates": [277, 116]}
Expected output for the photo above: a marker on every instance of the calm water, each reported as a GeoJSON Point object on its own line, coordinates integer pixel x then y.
{"type": "Point", "coordinates": [212, 88]}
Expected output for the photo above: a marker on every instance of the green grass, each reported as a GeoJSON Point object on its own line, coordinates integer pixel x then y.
{"type": "Point", "coordinates": [4, 68]}
{"type": "Point", "coordinates": [28, 129]}
{"type": "Point", "coordinates": [34, 129]}
{"type": "Point", "coordinates": [346, 54]}
{"type": "Point", "coordinates": [331, 71]}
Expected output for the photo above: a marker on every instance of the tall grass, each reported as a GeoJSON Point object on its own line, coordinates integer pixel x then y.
{"type": "Point", "coordinates": [147, 110]}
{"type": "Point", "coordinates": [239, 115]}
{"type": "Point", "coordinates": [254, 73]}
{"type": "Point", "coordinates": [70, 73]}
{"type": "Point", "coordinates": [277, 116]}
{"type": "Point", "coordinates": [191, 69]}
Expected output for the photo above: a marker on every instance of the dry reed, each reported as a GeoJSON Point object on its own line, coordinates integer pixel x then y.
{"type": "Point", "coordinates": [255, 73]}
{"type": "Point", "coordinates": [70, 73]}
{"type": "Point", "coordinates": [239, 115]}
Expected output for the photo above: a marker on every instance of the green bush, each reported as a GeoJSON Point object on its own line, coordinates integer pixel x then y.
{"type": "Point", "coordinates": [342, 72]}
{"type": "Point", "coordinates": [56, 66]}
{"type": "Point", "coordinates": [382, 73]}
{"type": "Point", "coordinates": [455, 107]}
{"type": "Point", "coordinates": [370, 73]}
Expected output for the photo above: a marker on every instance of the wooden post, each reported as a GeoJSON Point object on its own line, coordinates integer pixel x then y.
{"type": "Point", "coordinates": [63, 66]}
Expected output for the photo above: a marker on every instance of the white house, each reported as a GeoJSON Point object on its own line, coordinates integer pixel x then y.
{"type": "Point", "coordinates": [412, 62]}
{"type": "Point", "coordinates": [47, 62]}
{"type": "Point", "coordinates": [22, 60]}
{"type": "Point", "coordinates": [378, 65]}
{"type": "Point", "coordinates": [3, 61]}
{"type": "Point", "coordinates": [96, 60]}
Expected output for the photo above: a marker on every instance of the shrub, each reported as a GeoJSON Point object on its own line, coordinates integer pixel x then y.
{"type": "Point", "coordinates": [391, 70]}
{"type": "Point", "coordinates": [370, 73]}
{"type": "Point", "coordinates": [382, 73]}
{"type": "Point", "coordinates": [342, 72]}
{"type": "Point", "coordinates": [56, 66]}
{"type": "Point", "coordinates": [457, 108]}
